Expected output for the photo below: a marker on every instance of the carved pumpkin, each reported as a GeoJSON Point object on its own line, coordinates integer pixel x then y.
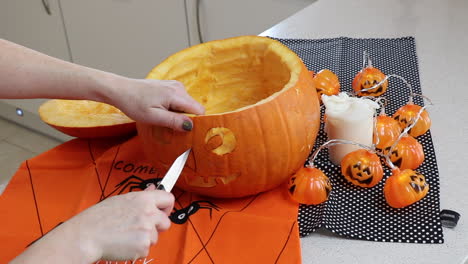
{"type": "Point", "coordinates": [309, 186]}
{"type": "Point", "coordinates": [408, 153]}
{"type": "Point", "coordinates": [86, 119]}
{"type": "Point", "coordinates": [362, 168]}
{"type": "Point", "coordinates": [262, 116]}
{"type": "Point", "coordinates": [404, 188]}
{"type": "Point", "coordinates": [326, 82]}
{"type": "Point", "coordinates": [368, 77]}
{"type": "Point", "coordinates": [407, 113]}
{"type": "Point", "coordinates": [388, 130]}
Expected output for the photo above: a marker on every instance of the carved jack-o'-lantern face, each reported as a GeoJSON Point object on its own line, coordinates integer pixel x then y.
{"type": "Point", "coordinates": [407, 154]}
{"type": "Point", "coordinates": [362, 168]}
{"type": "Point", "coordinates": [406, 115]}
{"type": "Point", "coordinates": [309, 186]}
{"type": "Point", "coordinates": [367, 78]}
{"type": "Point", "coordinates": [219, 141]}
{"type": "Point", "coordinates": [404, 188]}
{"type": "Point", "coordinates": [387, 132]}
{"type": "Point", "coordinates": [326, 82]}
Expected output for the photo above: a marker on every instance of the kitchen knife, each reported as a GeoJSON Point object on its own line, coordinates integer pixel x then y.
{"type": "Point", "coordinates": [173, 173]}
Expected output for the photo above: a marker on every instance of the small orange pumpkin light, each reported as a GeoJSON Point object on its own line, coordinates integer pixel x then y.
{"type": "Point", "coordinates": [406, 116]}
{"type": "Point", "coordinates": [362, 168]}
{"type": "Point", "coordinates": [309, 186]}
{"type": "Point", "coordinates": [404, 188]}
{"type": "Point", "coordinates": [408, 153]}
{"type": "Point", "coordinates": [326, 82]}
{"type": "Point", "coordinates": [367, 78]}
{"type": "Point", "coordinates": [387, 132]}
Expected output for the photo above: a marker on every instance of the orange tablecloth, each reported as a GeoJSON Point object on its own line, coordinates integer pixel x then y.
{"type": "Point", "coordinates": [54, 186]}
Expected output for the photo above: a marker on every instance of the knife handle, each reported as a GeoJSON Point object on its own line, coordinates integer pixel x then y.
{"type": "Point", "coordinates": [160, 187]}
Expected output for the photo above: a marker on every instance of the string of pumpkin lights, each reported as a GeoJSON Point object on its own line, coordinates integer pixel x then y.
{"type": "Point", "coordinates": [402, 188]}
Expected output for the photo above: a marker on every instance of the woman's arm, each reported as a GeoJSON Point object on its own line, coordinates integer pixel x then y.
{"type": "Point", "coordinates": [122, 227]}
{"type": "Point", "coordinates": [25, 73]}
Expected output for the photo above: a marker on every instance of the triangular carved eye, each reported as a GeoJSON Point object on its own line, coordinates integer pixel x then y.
{"type": "Point", "coordinates": [357, 165]}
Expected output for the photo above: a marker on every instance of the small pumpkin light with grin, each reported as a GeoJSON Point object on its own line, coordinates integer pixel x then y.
{"type": "Point", "coordinates": [367, 78]}
{"type": "Point", "coordinates": [406, 115]}
{"type": "Point", "coordinates": [404, 188]}
{"type": "Point", "coordinates": [362, 168]}
{"type": "Point", "coordinates": [408, 153]}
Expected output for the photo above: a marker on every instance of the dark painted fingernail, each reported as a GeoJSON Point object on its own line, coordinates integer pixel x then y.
{"type": "Point", "coordinates": [187, 126]}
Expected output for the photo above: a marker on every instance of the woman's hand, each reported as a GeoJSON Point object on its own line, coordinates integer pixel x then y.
{"type": "Point", "coordinates": [36, 75]}
{"type": "Point", "coordinates": [121, 227]}
{"type": "Point", "coordinates": [124, 227]}
{"type": "Point", "coordinates": [155, 102]}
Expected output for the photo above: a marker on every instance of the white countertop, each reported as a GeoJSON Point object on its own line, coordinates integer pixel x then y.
{"type": "Point", "coordinates": [441, 34]}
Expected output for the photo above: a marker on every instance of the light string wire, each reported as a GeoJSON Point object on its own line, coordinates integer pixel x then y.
{"type": "Point", "coordinates": [334, 142]}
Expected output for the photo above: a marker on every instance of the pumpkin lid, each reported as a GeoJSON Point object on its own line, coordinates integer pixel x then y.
{"type": "Point", "coordinates": [81, 113]}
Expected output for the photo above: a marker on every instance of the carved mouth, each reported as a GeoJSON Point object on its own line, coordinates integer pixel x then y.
{"type": "Point", "coordinates": [418, 188]}
{"type": "Point", "coordinates": [377, 89]}
{"type": "Point", "coordinates": [210, 181]}
{"type": "Point", "coordinates": [351, 175]}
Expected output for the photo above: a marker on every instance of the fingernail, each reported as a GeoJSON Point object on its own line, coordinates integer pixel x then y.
{"type": "Point", "coordinates": [187, 126]}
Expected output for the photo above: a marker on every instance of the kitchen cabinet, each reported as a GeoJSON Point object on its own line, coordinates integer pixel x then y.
{"type": "Point", "coordinates": [218, 19]}
{"type": "Point", "coordinates": [127, 37]}
{"type": "Point", "coordinates": [37, 25]}
{"type": "Point", "coordinates": [34, 24]}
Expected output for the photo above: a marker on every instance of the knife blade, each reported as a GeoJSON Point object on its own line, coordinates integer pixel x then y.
{"type": "Point", "coordinates": [170, 179]}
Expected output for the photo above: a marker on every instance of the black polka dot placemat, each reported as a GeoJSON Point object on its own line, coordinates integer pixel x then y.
{"type": "Point", "coordinates": [362, 213]}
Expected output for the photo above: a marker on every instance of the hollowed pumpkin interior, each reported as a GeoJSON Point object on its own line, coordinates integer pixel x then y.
{"type": "Point", "coordinates": [230, 75]}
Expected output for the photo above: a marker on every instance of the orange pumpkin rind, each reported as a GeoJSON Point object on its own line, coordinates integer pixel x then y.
{"type": "Point", "coordinates": [254, 87]}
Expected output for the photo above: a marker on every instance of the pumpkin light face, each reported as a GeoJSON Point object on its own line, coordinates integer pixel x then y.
{"type": "Point", "coordinates": [388, 130]}
{"type": "Point", "coordinates": [309, 186]}
{"type": "Point", "coordinates": [362, 168]}
{"type": "Point", "coordinates": [407, 113]}
{"type": "Point", "coordinates": [407, 154]}
{"type": "Point", "coordinates": [261, 105]}
{"type": "Point", "coordinates": [404, 188]}
{"type": "Point", "coordinates": [326, 82]}
{"type": "Point", "coordinates": [367, 78]}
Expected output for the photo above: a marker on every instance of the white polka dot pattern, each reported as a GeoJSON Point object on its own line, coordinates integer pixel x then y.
{"type": "Point", "coordinates": [362, 213]}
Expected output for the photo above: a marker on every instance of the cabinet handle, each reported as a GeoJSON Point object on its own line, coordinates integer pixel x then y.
{"type": "Point", "coordinates": [199, 29]}
{"type": "Point", "coordinates": [46, 5]}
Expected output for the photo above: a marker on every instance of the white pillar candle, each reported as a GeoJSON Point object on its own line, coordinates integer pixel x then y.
{"type": "Point", "coordinates": [349, 118]}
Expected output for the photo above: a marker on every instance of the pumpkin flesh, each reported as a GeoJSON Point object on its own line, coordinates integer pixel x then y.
{"type": "Point", "coordinates": [85, 119]}
{"type": "Point", "coordinates": [262, 116]}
